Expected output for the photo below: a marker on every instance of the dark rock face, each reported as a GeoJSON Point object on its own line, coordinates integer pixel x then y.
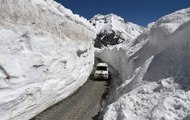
{"type": "Point", "coordinates": [112, 30]}
{"type": "Point", "coordinates": [105, 39]}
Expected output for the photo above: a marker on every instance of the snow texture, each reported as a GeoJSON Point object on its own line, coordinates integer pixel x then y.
{"type": "Point", "coordinates": [46, 53]}
{"type": "Point", "coordinates": [155, 68]}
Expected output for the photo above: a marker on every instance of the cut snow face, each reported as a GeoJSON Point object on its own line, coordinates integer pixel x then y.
{"type": "Point", "coordinates": [163, 100]}
{"type": "Point", "coordinates": [41, 61]}
{"type": "Point", "coordinates": [155, 68]}
{"type": "Point", "coordinates": [112, 29]}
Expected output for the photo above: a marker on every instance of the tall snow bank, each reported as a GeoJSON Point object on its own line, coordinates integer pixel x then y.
{"type": "Point", "coordinates": [156, 74]}
{"type": "Point", "coordinates": [46, 53]}
{"type": "Point", "coordinates": [116, 56]}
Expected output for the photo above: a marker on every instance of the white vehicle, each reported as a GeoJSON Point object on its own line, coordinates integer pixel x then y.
{"type": "Point", "coordinates": [101, 71]}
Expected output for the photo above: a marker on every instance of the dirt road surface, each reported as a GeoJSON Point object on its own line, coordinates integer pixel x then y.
{"type": "Point", "coordinates": [82, 105]}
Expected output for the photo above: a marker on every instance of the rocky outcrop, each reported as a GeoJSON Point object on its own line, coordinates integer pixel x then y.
{"type": "Point", "coordinates": [112, 29]}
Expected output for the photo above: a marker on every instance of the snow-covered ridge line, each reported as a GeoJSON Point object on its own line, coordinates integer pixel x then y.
{"type": "Point", "coordinates": [112, 29]}
{"type": "Point", "coordinates": [113, 22]}
{"type": "Point", "coordinates": [109, 17]}
{"type": "Point", "coordinates": [46, 53]}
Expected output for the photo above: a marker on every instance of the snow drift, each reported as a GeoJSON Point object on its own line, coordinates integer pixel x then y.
{"type": "Point", "coordinates": [46, 53]}
{"type": "Point", "coordinates": [155, 69]}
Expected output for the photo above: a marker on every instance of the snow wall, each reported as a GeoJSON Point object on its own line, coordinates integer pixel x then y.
{"type": "Point", "coordinates": [155, 69]}
{"type": "Point", "coordinates": [46, 53]}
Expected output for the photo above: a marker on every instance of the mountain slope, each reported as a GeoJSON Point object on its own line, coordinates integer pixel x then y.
{"type": "Point", "coordinates": [112, 29]}
{"type": "Point", "coordinates": [43, 57]}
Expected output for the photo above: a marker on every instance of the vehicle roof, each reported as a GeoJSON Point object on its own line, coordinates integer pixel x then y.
{"type": "Point", "coordinates": [102, 64]}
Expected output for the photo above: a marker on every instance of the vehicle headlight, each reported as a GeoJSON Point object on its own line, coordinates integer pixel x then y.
{"type": "Point", "coordinates": [95, 74]}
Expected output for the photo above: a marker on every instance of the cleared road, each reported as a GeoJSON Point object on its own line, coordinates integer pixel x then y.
{"type": "Point", "coordinates": [83, 105]}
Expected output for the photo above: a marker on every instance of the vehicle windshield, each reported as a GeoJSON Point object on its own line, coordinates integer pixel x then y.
{"type": "Point", "coordinates": [101, 68]}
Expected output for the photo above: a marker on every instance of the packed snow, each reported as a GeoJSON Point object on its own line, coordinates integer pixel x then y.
{"type": "Point", "coordinates": [155, 69]}
{"type": "Point", "coordinates": [46, 53]}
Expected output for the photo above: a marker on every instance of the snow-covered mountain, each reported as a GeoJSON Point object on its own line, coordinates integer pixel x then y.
{"type": "Point", "coordinates": [112, 29]}
{"type": "Point", "coordinates": [155, 68]}
{"type": "Point", "coordinates": [43, 56]}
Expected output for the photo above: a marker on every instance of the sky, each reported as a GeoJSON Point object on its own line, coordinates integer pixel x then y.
{"type": "Point", "coordinates": [140, 12]}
